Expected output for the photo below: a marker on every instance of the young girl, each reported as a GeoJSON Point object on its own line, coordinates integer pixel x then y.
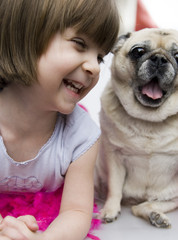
{"type": "Point", "coordinates": [50, 51]}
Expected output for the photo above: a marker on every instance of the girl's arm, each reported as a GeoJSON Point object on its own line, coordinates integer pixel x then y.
{"type": "Point", "coordinates": [75, 216]}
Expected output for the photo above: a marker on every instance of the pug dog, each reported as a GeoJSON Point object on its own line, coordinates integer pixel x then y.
{"type": "Point", "coordinates": [138, 158]}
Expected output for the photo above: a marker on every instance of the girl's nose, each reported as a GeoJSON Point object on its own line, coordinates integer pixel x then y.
{"type": "Point", "coordinates": [92, 67]}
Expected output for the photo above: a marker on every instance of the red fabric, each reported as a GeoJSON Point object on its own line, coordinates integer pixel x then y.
{"type": "Point", "coordinates": [143, 18]}
{"type": "Point", "coordinates": [44, 206]}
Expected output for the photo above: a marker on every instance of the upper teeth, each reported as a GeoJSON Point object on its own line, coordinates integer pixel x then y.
{"type": "Point", "coordinates": [75, 84]}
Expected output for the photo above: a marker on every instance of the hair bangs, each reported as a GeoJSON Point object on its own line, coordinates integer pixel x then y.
{"type": "Point", "coordinates": [99, 20]}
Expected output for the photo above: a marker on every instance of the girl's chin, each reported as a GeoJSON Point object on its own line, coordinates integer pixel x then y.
{"type": "Point", "coordinates": [67, 109]}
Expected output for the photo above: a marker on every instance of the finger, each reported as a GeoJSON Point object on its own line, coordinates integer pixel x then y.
{"type": "Point", "coordinates": [4, 238]}
{"type": "Point", "coordinates": [1, 218]}
{"type": "Point", "coordinates": [10, 233]}
{"type": "Point", "coordinates": [14, 229]}
{"type": "Point", "coordinates": [8, 220]}
{"type": "Point", "coordinates": [30, 221]}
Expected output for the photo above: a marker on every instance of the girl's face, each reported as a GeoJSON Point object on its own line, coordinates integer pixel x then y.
{"type": "Point", "coordinates": [67, 70]}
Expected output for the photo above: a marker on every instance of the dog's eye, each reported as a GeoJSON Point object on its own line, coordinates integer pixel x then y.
{"type": "Point", "coordinates": [176, 57]}
{"type": "Point", "coordinates": [137, 52]}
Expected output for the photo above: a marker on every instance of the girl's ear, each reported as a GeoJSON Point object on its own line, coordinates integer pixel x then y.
{"type": "Point", "coordinates": [120, 42]}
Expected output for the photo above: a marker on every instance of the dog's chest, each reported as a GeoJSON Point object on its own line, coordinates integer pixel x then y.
{"type": "Point", "coordinates": [151, 177]}
{"type": "Point", "coordinates": [150, 157]}
{"type": "Point", "coordinates": [152, 152]}
{"type": "Point", "coordinates": [151, 167]}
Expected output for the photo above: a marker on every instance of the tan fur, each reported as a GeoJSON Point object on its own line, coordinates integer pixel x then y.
{"type": "Point", "coordinates": [138, 159]}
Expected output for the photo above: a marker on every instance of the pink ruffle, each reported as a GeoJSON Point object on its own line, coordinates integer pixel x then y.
{"type": "Point", "coordinates": [44, 206]}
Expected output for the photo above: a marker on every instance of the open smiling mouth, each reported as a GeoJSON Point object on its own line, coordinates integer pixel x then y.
{"type": "Point", "coordinates": [73, 86]}
{"type": "Point", "coordinates": [151, 94]}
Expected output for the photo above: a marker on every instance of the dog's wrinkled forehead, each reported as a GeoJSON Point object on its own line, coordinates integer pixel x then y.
{"type": "Point", "coordinates": [149, 38]}
{"type": "Point", "coordinates": [159, 39]}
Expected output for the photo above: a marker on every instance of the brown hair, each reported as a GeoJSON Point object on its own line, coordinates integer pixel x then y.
{"type": "Point", "coordinates": [26, 27]}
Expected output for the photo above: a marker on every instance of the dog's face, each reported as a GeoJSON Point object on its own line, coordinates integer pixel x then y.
{"type": "Point", "coordinates": [144, 73]}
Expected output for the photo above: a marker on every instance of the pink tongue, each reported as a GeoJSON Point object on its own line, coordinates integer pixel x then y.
{"type": "Point", "coordinates": [152, 90]}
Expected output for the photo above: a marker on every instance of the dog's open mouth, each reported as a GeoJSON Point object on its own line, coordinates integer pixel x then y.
{"type": "Point", "coordinates": [151, 94]}
{"type": "Point", "coordinates": [152, 90]}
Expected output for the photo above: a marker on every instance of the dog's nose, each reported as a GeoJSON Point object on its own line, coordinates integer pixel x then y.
{"type": "Point", "coordinates": [159, 60]}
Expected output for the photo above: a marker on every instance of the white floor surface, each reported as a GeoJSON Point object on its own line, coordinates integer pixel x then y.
{"type": "Point", "coordinates": [129, 227]}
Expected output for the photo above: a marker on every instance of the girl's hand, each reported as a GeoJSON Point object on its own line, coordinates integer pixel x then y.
{"type": "Point", "coordinates": [30, 221]}
{"type": "Point", "coordinates": [24, 227]}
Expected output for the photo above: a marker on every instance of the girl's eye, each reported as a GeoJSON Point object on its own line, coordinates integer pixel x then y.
{"type": "Point", "coordinates": [80, 43]}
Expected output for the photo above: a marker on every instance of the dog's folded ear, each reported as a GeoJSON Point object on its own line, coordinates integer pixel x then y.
{"type": "Point", "coordinates": [120, 41]}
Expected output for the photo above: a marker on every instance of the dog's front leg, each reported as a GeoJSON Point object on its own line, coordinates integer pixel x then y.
{"type": "Point", "coordinates": [116, 176]}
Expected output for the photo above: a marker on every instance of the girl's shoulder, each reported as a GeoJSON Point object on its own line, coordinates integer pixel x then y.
{"type": "Point", "coordinates": [79, 132]}
{"type": "Point", "coordinates": [81, 120]}
{"type": "Point", "coordinates": [77, 114]}
{"type": "Point", "coordinates": [78, 118]}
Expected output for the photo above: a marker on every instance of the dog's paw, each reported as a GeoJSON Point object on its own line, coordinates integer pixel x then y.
{"type": "Point", "coordinates": [109, 215]}
{"type": "Point", "coordinates": [159, 220]}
